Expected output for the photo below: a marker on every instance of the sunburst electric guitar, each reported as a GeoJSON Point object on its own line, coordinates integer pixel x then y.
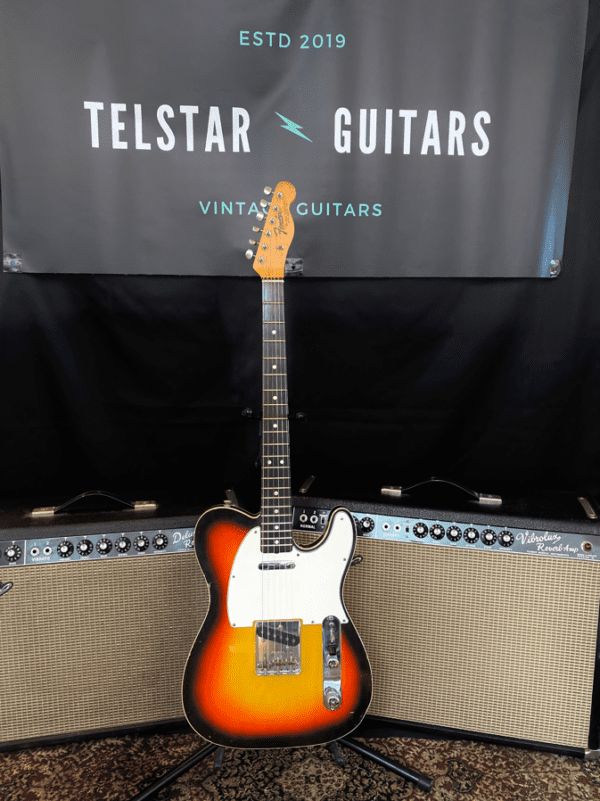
{"type": "Point", "coordinates": [277, 661]}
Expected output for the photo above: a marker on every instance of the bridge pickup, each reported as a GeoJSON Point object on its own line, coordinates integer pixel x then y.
{"type": "Point", "coordinates": [276, 565]}
{"type": "Point", "coordinates": [277, 647]}
{"type": "Point", "coordinates": [284, 632]}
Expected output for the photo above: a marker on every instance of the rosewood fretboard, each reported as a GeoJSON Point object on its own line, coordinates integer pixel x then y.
{"type": "Point", "coordinates": [276, 524]}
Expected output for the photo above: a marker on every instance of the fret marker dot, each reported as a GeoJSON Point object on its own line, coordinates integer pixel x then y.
{"type": "Point", "coordinates": [274, 425]}
{"type": "Point", "coordinates": [273, 332]}
{"type": "Point", "coordinates": [274, 367]}
{"type": "Point", "coordinates": [276, 528]}
{"type": "Point", "coordinates": [269, 461]}
{"type": "Point", "coordinates": [275, 511]}
{"type": "Point", "coordinates": [275, 493]}
{"type": "Point", "coordinates": [274, 397]}
{"type": "Point", "coordinates": [276, 542]}
{"type": "Point", "coordinates": [280, 461]}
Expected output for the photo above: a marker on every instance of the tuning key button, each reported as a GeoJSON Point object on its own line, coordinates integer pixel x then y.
{"type": "Point", "coordinates": [437, 532]}
{"type": "Point", "coordinates": [471, 535]}
{"type": "Point", "coordinates": [260, 216]}
{"type": "Point", "coordinates": [85, 547]}
{"type": "Point", "coordinates": [13, 553]}
{"type": "Point", "coordinates": [454, 533]}
{"type": "Point", "coordinates": [249, 254]}
{"type": "Point", "coordinates": [506, 539]}
{"type": "Point", "coordinates": [123, 544]}
{"type": "Point", "coordinates": [488, 537]}
{"type": "Point", "coordinates": [104, 546]}
{"type": "Point", "coordinates": [420, 530]}
{"type": "Point", "coordinates": [267, 190]}
{"type": "Point", "coordinates": [141, 543]}
{"type": "Point", "coordinates": [65, 549]}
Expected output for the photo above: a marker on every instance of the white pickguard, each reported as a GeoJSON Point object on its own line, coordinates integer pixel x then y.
{"type": "Point", "coordinates": [308, 592]}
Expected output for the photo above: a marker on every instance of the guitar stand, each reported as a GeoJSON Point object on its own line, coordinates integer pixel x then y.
{"type": "Point", "coordinates": [423, 782]}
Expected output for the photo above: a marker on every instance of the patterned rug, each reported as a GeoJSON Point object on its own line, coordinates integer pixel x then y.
{"type": "Point", "coordinates": [117, 769]}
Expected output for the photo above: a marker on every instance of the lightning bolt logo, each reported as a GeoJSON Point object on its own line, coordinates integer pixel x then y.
{"type": "Point", "coordinates": [292, 126]}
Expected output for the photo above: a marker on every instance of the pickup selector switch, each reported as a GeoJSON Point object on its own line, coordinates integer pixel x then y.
{"type": "Point", "coordinates": [420, 530]}
{"type": "Point", "coordinates": [471, 535]}
{"type": "Point", "coordinates": [85, 547]}
{"type": "Point", "coordinates": [65, 549]}
{"type": "Point", "coordinates": [141, 543]}
{"type": "Point", "coordinates": [123, 544]}
{"type": "Point", "coordinates": [437, 532]}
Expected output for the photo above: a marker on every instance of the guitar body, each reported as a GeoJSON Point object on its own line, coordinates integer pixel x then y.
{"type": "Point", "coordinates": [235, 695]}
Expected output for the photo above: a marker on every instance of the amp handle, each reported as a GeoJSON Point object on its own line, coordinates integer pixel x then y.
{"type": "Point", "coordinates": [481, 497]}
{"type": "Point", "coordinates": [82, 498]}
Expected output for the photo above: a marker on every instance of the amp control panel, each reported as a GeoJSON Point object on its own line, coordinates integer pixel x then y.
{"type": "Point", "coordinates": [444, 529]}
{"type": "Point", "coordinates": [87, 547]}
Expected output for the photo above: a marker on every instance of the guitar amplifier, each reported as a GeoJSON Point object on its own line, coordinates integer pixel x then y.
{"type": "Point", "coordinates": [488, 629]}
{"type": "Point", "coordinates": [99, 611]}
{"type": "Point", "coordinates": [481, 621]}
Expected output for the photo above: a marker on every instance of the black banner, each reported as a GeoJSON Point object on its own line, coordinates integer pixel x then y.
{"type": "Point", "coordinates": [424, 137]}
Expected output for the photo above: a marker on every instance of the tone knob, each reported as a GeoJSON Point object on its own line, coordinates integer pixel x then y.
{"type": "Point", "coordinates": [420, 530]}
{"type": "Point", "coordinates": [160, 541]}
{"type": "Point", "coordinates": [367, 524]}
{"type": "Point", "coordinates": [123, 544]}
{"type": "Point", "coordinates": [104, 546]}
{"type": "Point", "coordinates": [488, 537]}
{"type": "Point", "coordinates": [141, 543]}
{"type": "Point", "coordinates": [65, 549]}
{"type": "Point", "coordinates": [13, 553]}
{"type": "Point", "coordinates": [471, 535]}
{"type": "Point", "coordinates": [506, 538]}
{"type": "Point", "coordinates": [437, 532]}
{"type": "Point", "coordinates": [85, 547]}
{"type": "Point", "coordinates": [332, 698]}
{"type": "Point", "coordinates": [454, 533]}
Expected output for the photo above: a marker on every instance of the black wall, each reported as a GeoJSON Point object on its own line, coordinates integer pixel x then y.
{"type": "Point", "coordinates": [140, 384]}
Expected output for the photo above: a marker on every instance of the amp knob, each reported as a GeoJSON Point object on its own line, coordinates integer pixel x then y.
{"type": "Point", "coordinates": [104, 546]}
{"type": "Point", "coordinates": [85, 547]}
{"type": "Point", "coordinates": [141, 543]}
{"type": "Point", "coordinates": [420, 530]}
{"type": "Point", "coordinates": [437, 532]}
{"type": "Point", "coordinates": [506, 539]}
{"type": "Point", "coordinates": [13, 553]}
{"type": "Point", "coordinates": [367, 524]}
{"type": "Point", "coordinates": [65, 549]}
{"type": "Point", "coordinates": [123, 544]}
{"type": "Point", "coordinates": [471, 535]}
{"type": "Point", "coordinates": [454, 533]}
{"type": "Point", "coordinates": [160, 541]}
{"type": "Point", "coordinates": [488, 537]}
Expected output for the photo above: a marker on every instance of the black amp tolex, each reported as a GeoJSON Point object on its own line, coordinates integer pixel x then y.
{"type": "Point", "coordinates": [481, 621]}
{"type": "Point", "coordinates": [99, 611]}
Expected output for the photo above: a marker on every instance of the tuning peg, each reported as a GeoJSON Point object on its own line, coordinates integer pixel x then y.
{"type": "Point", "coordinates": [253, 241]}
{"type": "Point", "coordinates": [268, 190]}
{"type": "Point", "coordinates": [255, 229]}
{"type": "Point", "coordinates": [264, 203]}
{"type": "Point", "coordinates": [260, 216]}
{"type": "Point", "coordinates": [249, 254]}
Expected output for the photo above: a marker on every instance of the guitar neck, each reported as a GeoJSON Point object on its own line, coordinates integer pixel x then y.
{"type": "Point", "coordinates": [276, 509]}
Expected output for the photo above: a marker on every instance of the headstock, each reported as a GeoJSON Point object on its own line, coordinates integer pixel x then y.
{"type": "Point", "coordinates": [277, 234]}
